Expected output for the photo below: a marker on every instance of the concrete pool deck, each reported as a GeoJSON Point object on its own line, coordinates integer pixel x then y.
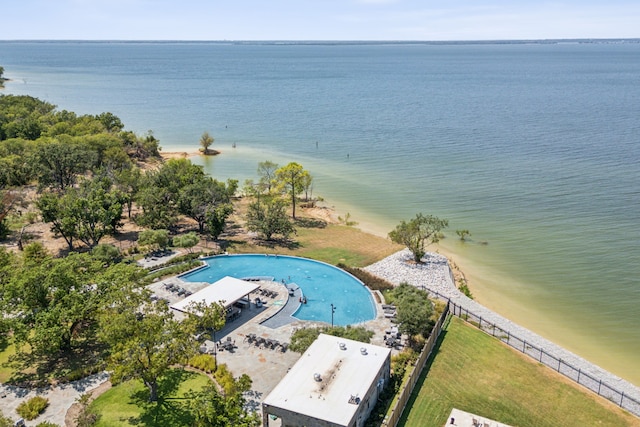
{"type": "Point", "coordinates": [273, 321]}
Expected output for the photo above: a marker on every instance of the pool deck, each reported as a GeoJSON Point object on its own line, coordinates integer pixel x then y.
{"type": "Point", "coordinates": [274, 321]}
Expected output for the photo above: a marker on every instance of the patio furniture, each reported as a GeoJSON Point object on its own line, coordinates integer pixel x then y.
{"type": "Point", "coordinates": [284, 346]}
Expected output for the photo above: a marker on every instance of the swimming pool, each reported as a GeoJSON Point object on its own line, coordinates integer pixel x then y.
{"type": "Point", "coordinates": [322, 284]}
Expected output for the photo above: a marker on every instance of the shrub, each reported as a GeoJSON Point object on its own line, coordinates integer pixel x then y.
{"type": "Point", "coordinates": [47, 424]}
{"type": "Point", "coordinates": [204, 362]}
{"type": "Point", "coordinates": [374, 283]}
{"type": "Point", "coordinates": [30, 409]}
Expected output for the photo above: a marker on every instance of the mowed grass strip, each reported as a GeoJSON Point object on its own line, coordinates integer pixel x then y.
{"type": "Point", "coordinates": [127, 404]}
{"type": "Point", "coordinates": [477, 373]}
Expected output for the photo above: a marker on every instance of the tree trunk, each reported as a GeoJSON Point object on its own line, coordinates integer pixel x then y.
{"type": "Point", "coordinates": [153, 390]}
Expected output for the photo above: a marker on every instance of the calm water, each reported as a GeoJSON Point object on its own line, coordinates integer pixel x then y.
{"type": "Point", "coordinates": [533, 148]}
{"type": "Point", "coordinates": [322, 285]}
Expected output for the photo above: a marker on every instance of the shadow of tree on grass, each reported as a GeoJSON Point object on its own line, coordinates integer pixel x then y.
{"type": "Point", "coordinates": [168, 410]}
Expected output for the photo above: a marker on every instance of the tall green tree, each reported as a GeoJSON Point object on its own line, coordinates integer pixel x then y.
{"type": "Point", "coordinates": [268, 217]}
{"type": "Point", "coordinates": [58, 211]}
{"type": "Point", "coordinates": [159, 196]}
{"type": "Point", "coordinates": [267, 173]}
{"type": "Point", "coordinates": [128, 181]}
{"type": "Point", "coordinates": [291, 178]}
{"type": "Point", "coordinates": [144, 339]}
{"type": "Point", "coordinates": [417, 233]}
{"type": "Point", "coordinates": [58, 164]}
{"type": "Point", "coordinates": [197, 199]}
{"type": "Point", "coordinates": [216, 219]}
{"type": "Point", "coordinates": [87, 213]}
{"type": "Point", "coordinates": [53, 302]}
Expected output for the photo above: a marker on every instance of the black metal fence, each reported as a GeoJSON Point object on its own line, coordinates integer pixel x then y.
{"type": "Point", "coordinates": [596, 385]}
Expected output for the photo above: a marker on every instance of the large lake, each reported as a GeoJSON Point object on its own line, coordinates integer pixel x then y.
{"type": "Point", "coordinates": [534, 148]}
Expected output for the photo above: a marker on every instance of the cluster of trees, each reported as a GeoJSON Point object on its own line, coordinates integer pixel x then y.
{"type": "Point", "coordinates": [87, 172]}
{"type": "Point", "coordinates": [55, 306]}
{"type": "Point", "coordinates": [56, 149]}
{"type": "Point", "coordinates": [277, 188]}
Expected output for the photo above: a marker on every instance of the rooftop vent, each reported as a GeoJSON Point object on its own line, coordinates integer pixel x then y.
{"type": "Point", "coordinates": [363, 351]}
{"type": "Point", "coordinates": [343, 346]}
{"type": "Point", "coordinates": [317, 377]}
{"type": "Point", "coordinates": [354, 400]}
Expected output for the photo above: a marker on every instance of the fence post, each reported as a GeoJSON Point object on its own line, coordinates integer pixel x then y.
{"type": "Point", "coordinates": [480, 324]}
{"type": "Point", "coordinates": [559, 362]}
{"type": "Point", "coordinates": [621, 398]}
{"type": "Point", "coordinates": [524, 346]}
{"type": "Point", "coordinates": [599, 385]}
{"type": "Point", "coordinates": [541, 351]}
{"type": "Point", "coordinates": [578, 376]}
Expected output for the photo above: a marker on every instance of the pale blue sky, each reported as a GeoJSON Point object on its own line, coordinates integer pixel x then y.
{"type": "Point", "coordinates": [318, 19]}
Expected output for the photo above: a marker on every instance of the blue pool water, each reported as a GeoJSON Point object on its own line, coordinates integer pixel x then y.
{"type": "Point", "coordinates": [321, 283]}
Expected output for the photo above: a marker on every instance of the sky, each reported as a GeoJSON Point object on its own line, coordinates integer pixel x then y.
{"type": "Point", "coordinates": [375, 20]}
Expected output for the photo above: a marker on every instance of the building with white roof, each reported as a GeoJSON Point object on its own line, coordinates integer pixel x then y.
{"type": "Point", "coordinates": [336, 382]}
{"type": "Point", "coordinates": [227, 291]}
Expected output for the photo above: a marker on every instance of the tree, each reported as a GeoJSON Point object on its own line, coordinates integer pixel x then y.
{"type": "Point", "coordinates": [268, 217]}
{"type": "Point", "coordinates": [267, 173]}
{"type": "Point", "coordinates": [463, 234]}
{"type": "Point", "coordinates": [186, 241]}
{"type": "Point", "coordinates": [58, 163]}
{"type": "Point", "coordinates": [154, 239]}
{"type": "Point", "coordinates": [210, 408]}
{"type": "Point", "coordinates": [144, 339]}
{"type": "Point", "coordinates": [107, 254]}
{"type": "Point", "coordinates": [97, 210]}
{"type": "Point", "coordinates": [291, 179]}
{"type": "Point", "coordinates": [216, 219]}
{"type": "Point", "coordinates": [87, 213]}
{"type": "Point", "coordinates": [55, 210]}
{"type": "Point", "coordinates": [128, 181]}
{"type": "Point", "coordinates": [206, 141]}
{"type": "Point", "coordinates": [414, 310]}
{"type": "Point", "coordinates": [53, 302]}
{"type": "Point", "coordinates": [418, 233]}
{"type": "Point", "coordinates": [197, 199]}
{"type": "Point", "coordinates": [159, 197]}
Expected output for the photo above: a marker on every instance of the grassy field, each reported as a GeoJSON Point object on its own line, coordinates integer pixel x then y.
{"type": "Point", "coordinates": [477, 373]}
{"type": "Point", "coordinates": [126, 404]}
{"type": "Point", "coordinates": [330, 243]}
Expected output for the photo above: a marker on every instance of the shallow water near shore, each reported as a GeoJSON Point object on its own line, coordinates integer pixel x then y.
{"type": "Point", "coordinates": [533, 148]}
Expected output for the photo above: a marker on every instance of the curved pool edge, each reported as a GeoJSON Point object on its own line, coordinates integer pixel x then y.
{"type": "Point", "coordinates": [372, 309]}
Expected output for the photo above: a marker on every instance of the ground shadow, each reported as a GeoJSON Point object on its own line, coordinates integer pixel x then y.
{"type": "Point", "coordinates": [310, 223]}
{"type": "Point", "coordinates": [278, 243]}
{"type": "Point", "coordinates": [168, 410]}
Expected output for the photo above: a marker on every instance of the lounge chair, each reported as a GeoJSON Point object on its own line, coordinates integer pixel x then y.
{"type": "Point", "coordinates": [284, 346]}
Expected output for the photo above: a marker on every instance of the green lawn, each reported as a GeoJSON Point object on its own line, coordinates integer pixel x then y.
{"type": "Point", "coordinates": [127, 404]}
{"type": "Point", "coordinates": [474, 372]}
